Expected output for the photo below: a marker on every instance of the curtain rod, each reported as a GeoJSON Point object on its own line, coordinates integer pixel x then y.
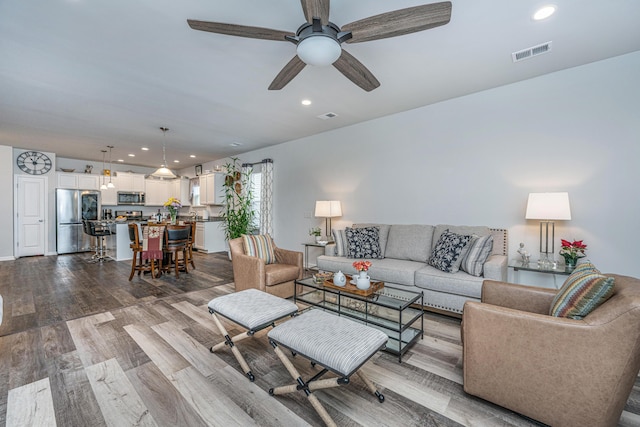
{"type": "Point", "coordinates": [244, 165]}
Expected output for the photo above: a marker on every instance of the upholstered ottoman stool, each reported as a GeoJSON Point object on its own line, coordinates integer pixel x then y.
{"type": "Point", "coordinates": [335, 343]}
{"type": "Point", "coordinates": [252, 309]}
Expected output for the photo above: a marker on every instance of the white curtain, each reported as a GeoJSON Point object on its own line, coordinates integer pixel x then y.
{"type": "Point", "coordinates": [266, 198]}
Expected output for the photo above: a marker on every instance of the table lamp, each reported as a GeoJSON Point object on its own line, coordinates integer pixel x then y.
{"type": "Point", "coordinates": [328, 209]}
{"type": "Point", "coordinates": [548, 207]}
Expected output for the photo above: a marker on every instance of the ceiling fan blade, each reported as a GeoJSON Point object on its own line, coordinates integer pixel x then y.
{"type": "Point", "coordinates": [399, 22]}
{"type": "Point", "coordinates": [287, 74]}
{"type": "Point", "coordinates": [317, 9]}
{"type": "Point", "coordinates": [353, 69]}
{"type": "Point", "coordinates": [239, 30]}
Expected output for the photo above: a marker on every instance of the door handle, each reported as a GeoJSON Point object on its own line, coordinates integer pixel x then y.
{"type": "Point", "coordinates": [41, 220]}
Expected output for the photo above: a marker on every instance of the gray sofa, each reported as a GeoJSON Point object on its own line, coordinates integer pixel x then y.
{"type": "Point", "coordinates": [406, 250]}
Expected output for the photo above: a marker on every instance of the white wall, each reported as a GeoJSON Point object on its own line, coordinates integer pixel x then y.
{"type": "Point", "coordinates": [6, 215]}
{"type": "Point", "coordinates": [473, 160]}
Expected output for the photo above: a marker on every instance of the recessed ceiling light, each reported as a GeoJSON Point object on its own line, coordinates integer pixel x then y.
{"type": "Point", "coordinates": [131, 155]}
{"type": "Point", "coordinates": [193, 156]}
{"type": "Point", "coordinates": [176, 161]}
{"type": "Point", "coordinates": [145, 149]}
{"type": "Point", "coordinates": [544, 12]}
{"type": "Point", "coordinates": [121, 160]}
{"type": "Point", "coordinates": [306, 102]}
{"type": "Point", "coordinates": [235, 144]}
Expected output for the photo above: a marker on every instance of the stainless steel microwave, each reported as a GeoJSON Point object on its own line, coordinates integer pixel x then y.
{"type": "Point", "coordinates": [131, 198]}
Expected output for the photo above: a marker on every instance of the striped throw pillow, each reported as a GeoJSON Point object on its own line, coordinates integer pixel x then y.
{"type": "Point", "coordinates": [584, 290]}
{"type": "Point", "coordinates": [260, 246]}
{"type": "Point", "coordinates": [340, 238]}
{"type": "Point", "coordinates": [479, 250]}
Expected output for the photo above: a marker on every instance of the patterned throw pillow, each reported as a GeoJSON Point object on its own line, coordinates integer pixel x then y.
{"type": "Point", "coordinates": [449, 251]}
{"type": "Point", "coordinates": [260, 246]}
{"type": "Point", "coordinates": [363, 242]}
{"type": "Point", "coordinates": [584, 290]}
{"type": "Point", "coordinates": [479, 250]}
{"type": "Point", "coordinates": [340, 238]}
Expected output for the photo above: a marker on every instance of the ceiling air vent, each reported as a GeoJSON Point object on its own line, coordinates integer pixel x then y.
{"type": "Point", "coordinates": [531, 52]}
{"type": "Point", "coordinates": [327, 116]}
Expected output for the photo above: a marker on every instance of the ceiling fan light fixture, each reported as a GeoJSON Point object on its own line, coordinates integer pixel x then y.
{"type": "Point", "coordinates": [319, 50]}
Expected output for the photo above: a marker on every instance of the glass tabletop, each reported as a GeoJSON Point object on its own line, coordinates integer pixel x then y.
{"type": "Point", "coordinates": [533, 266]}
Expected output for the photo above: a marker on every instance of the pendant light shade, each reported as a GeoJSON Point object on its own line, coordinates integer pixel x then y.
{"type": "Point", "coordinates": [164, 172]}
{"type": "Point", "coordinates": [103, 186]}
{"type": "Point", "coordinates": [110, 184]}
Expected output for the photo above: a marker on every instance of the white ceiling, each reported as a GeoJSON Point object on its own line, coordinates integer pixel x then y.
{"type": "Point", "coordinates": [78, 75]}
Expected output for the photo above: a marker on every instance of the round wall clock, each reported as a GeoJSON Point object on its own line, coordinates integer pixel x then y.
{"type": "Point", "coordinates": [34, 162]}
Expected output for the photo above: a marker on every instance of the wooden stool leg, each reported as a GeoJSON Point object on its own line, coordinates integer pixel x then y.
{"type": "Point", "coordinates": [370, 385]}
{"type": "Point", "coordinates": [291, 388]}
{"type": "Point", "coordinates": [243, 363]}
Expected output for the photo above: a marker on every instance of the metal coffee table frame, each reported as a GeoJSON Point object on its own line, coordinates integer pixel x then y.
{"type": "Point", "coordinates": [390, 310]}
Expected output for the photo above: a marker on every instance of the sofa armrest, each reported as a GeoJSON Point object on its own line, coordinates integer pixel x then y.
{"type": "Point", "coordinates": [495, 268]}
{"type": "Point", "coordinates": [285, 256]}
{"type": "Point", "coordinates": [330, 249]}
{"type": "Point", "coordinates": [248, 272]}
{"type": "Point", "coordinates": [526, 298]}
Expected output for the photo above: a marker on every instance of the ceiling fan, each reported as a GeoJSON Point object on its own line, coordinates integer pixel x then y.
{"type": "Point", "coordinates": [319, 41]}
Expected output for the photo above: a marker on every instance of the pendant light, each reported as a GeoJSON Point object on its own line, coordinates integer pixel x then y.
{"type": "Point", "coordinates": [110, 184]}
{"type": "Point", "coordinates": [163, 172]}
{"type": "Point", "coordinates": [103, 186]}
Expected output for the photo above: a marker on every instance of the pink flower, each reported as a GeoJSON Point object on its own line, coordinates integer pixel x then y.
{"type": "Point", "coordinates": [362, 265]}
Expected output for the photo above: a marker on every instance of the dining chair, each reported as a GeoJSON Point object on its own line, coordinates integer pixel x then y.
{"type": "Point", "coordinates": [141, 261]}
{"type": "Point", "coordinates": [176, 238]}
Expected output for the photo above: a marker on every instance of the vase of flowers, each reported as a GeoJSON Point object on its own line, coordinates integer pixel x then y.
{"type": "Point", "coordinates": [571, 251]}
{"type": "Point", "coordinates": [172, 206]}
{"type": "Point", "coordinates": [363, 281]}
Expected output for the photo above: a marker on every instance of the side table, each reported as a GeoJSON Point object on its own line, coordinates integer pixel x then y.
{"type": "Point", "coordinates": [560, 270]}
{"type": "Point", "coordinates": [306, 253]}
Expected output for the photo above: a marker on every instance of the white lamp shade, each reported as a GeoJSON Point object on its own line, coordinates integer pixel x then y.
{"type": "Point", "coordinates": [319, 50]}
{"type": "Point", "coordinates": [551, 206]}
{"type": "Point", "coordinates": [328, 208]}
{"type": "Point", "coordinates": [164, 172]}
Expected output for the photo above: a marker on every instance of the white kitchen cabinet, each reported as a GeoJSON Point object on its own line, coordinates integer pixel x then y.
{"type": "Point", "coordinates": [128, 181]}
{"type": "Point", "coordinates": [210, 237]}
{"type": "Point", "coordinates": [211, 189]}
{"type": "Point", "coordinates": [157, 191]}
{"type": "Point", "coordinates": [181, 191]}
{"type": "Point", "coordinates": [78, 181]}
{"type": "Point", "coordinates": [109, 197]}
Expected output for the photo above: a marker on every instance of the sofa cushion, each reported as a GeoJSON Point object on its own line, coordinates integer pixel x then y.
{"type": "Point", "coordinates": [460, 283]}
{"type": "Point", "coordinates": [363, 242]}
{"type": "Point", "coordinates": [383, 234]}
{"type": "Point", "coordinates": [388, 270]}
{"type": "Point", "coordinates": [466, 230]}
{"type": "Point", "coordinates": [410, 242]}
{"type": "Point", "coordinates": [449, 251]}
{"type": "Point", "coordinates": [479, 250]}
{"type": "Point", "coordinates": [260, 246]}
{"type": "Point", "coordinates": [340, 239]}
{"type": "Point", "coordinates": [584, 290]}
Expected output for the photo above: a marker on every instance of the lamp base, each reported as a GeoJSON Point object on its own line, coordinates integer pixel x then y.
{"type": "Point", "coordinates": [547, 262]}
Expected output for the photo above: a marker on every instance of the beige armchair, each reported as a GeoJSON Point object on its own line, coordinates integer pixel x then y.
{"type": "Point", "coordinates": [252, 272]}
{"type": "Point", "coordinates": [559, 371]}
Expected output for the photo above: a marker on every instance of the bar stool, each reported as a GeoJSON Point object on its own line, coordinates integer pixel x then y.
{"type": "Point", "coordinates": [100, 231]}
{"type": "Point", "coordinates": [192, 240]}
{"type": "Point", "coordinates": [176, 238]}
{"type": "Point", "coordinates": [138, 263]}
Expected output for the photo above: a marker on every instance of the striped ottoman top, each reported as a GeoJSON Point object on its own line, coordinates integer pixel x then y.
{"type": "Point", "coordinates": [337, 343]}
{"type": "Point", "coordinates": [251, 308]}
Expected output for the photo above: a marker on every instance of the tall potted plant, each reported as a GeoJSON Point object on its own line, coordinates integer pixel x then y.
{"type": "Point", "coordinates": [238, 217]}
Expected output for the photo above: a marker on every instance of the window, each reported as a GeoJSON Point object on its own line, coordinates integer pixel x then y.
{"type": "Point", "coordinates": [256, 188]}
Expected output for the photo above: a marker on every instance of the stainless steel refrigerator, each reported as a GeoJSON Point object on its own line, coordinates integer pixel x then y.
{"type": "Point", "coordinates": [72, 206]}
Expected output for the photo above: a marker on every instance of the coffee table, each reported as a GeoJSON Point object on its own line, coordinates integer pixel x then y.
{"type": "Point", "coordinates": [393, 311]}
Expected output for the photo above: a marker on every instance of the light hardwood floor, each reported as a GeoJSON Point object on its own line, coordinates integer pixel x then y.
{"type": "Point", "coordinates": [82, 346]}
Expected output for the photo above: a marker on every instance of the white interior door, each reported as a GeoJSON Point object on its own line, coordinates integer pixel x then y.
{"type": "Point", "coordinates": [32, 200]}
